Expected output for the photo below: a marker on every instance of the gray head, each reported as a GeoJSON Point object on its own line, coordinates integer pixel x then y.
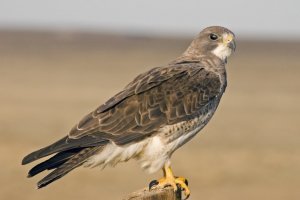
{"type": "Point", "coordinates": [215, 40]}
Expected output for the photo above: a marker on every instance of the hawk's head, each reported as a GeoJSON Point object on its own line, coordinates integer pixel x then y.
{"type": "Point", "coordinates": [215, 40]}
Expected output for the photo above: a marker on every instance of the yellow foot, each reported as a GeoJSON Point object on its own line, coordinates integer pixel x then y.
{"type": "Point", "coordinates": [169, 180]}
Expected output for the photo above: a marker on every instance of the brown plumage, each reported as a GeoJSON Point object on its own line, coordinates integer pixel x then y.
{"type": "Point", "coordinates": [163, 107]}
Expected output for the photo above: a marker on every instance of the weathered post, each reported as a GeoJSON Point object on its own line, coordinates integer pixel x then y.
{"type": "Point", "coordinates": [156, 194]}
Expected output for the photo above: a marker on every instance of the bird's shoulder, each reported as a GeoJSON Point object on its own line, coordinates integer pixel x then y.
{"type": "Point", "coordinates": [160, 76]}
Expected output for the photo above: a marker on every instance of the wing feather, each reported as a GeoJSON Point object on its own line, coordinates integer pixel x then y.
{"type": "Point", "coordinates": [161, 97]}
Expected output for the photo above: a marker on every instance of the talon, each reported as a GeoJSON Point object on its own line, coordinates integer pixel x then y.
{"type": "Point", "coordinates": [183, 179]}
{"type": "Point", "coordinates": [173, 181]}
{"type": "Point", "coordinates": [153, 184]}
{"type": "Point", "coordinates": [186, 182]}
{"type": "Point", "coordinates": [186, 196]}
{"type": "Point", "coordinates": [183, 184]}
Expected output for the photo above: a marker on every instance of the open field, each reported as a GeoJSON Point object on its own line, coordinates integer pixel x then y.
{"type": "Point", "coordinates": [250, 149]}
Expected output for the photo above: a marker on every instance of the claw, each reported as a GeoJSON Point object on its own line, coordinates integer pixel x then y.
{"type": "Point", "coordinates": [186, 182]}
{"type": "Point", "coordinates": [178, 183]}
{"type": "Point", "coordinates": [183, 184]}
{"type": "Point", "coordinates": [183, 179]}
{"type": "Point", "coordinates": [186, 196]}
{"type": "Point", "coordinates": [153, 184]}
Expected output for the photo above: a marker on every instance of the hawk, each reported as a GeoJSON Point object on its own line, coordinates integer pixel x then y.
{"type": "Point", "coordinates": [155, 114]}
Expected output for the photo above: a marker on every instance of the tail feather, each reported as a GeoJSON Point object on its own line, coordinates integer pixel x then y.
{"type": "Point", "coordinates": [72, 163]}
{"type": "Point", "coordinates": [54, 162]}
{"type": "Point", "coordinates": [64, 144]}
{"type": "Point", "coordinates": [53, 148]}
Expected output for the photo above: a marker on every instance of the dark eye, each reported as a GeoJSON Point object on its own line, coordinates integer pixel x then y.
{"type": "Point", "coordinates": [213, 36]}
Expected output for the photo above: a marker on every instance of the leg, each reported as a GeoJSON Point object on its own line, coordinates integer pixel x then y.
{"type": "Point", "coordinates": [170, 180]}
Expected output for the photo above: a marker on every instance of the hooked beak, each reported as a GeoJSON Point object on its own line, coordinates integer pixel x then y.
{"type": "Point", "coordinates": [232, 45]}
{"type": "Point", "coordinates": [228, 40]}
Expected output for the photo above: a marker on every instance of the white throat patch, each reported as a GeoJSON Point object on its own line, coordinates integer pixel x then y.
{"type": "Point", "coordinates": [222, 51]}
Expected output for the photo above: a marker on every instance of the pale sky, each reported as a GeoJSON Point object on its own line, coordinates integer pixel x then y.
{"type": "Point", "coordinates": [254, 18]}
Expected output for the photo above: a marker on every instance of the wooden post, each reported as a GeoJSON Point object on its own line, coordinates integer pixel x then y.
{"type": "Point", "coordinates": [155, 194]}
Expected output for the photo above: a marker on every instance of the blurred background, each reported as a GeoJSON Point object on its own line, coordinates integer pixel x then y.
{"type": "Point", "coordinates": [60, 59]}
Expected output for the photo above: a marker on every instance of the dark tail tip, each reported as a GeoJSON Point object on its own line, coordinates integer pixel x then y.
{"type": "Point", "coordinates": [25, 161]}
{"type": "Point", "coordinates": [49, 179]}
{"type": "Point", "coordinates": [29, 158]}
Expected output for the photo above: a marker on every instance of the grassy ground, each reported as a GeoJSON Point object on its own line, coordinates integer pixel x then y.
{"type": "Point", "coordinates": [249, 150]}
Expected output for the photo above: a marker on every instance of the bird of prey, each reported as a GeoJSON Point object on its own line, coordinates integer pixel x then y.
{"type": "Point", "coordinates": [155, 114]}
